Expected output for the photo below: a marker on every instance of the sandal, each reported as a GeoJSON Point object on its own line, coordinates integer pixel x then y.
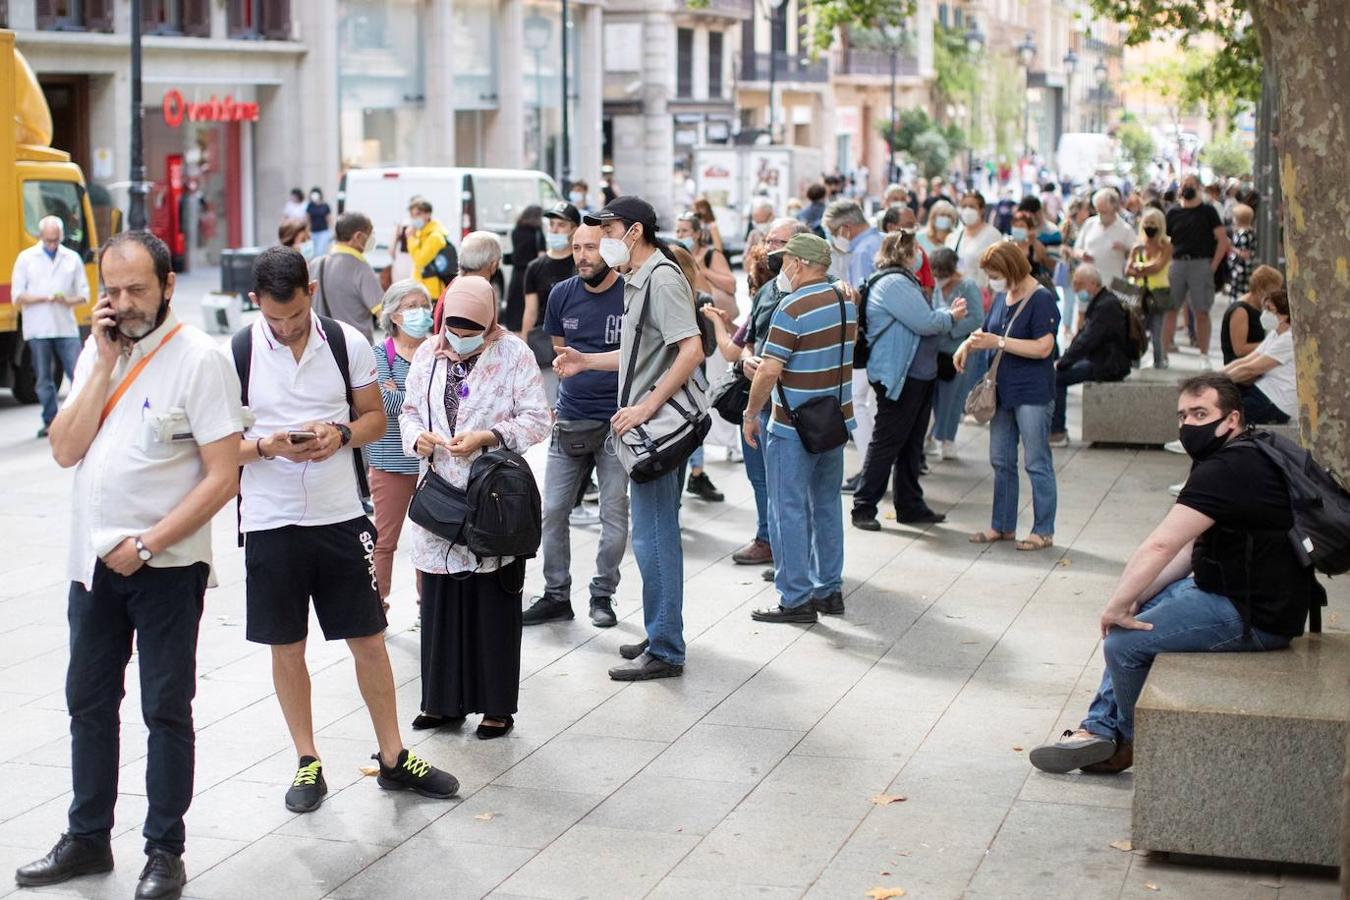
{"type": "Point", "coordinates": [1036, 542]}
{"type": "Point", "coordinates": [992, 537]}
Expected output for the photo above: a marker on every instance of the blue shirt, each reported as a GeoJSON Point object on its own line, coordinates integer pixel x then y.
{"type": "Point", "coordinates": [387, 454]}
{"type": "Point", "coordinates": [862, 256]}
{"type": "Point", "coordinates": [589, 323]}
{"type": "Point", "coordinates": [1022, 381]}
{"type": "Point", "coordinates": [902, 330]}
{"type": "Point", "coordinates": [804, 337]}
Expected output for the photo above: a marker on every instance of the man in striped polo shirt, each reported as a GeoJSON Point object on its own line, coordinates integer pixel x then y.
{"type": "Point", "coordinates": [809, 353]}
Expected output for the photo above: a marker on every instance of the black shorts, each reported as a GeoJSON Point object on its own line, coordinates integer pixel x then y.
{"type": "Point", "coordinates": [333, 564]}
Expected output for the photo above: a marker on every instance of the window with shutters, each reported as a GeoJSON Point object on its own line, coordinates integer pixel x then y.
{"type": "Point", "coordinates": [74, 15]}
{"type": "Point", "coordinates": [266, 19]}
{"type": "Point", "coordinates": [715, 64]}
{"type": "Point", "coordinates": [161, 16]}
{"type": "Point", "coordinates": [684, 62]}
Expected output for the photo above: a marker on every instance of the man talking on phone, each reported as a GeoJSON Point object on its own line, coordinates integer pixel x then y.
{"type": "Point", "coordinates": [311, 383]}
{"type": "Point", "coordinates": [152, 428]}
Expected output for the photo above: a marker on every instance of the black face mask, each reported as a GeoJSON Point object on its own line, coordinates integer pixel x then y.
{"type": "Point", "coordinates": [1188, 193]}
{"type": "Point", "coordinates": [1203, 441]}
{"type": "Point", "coordinates": [1150, 232]}
{"type": "Point", "coordinates": [600, 275]}
{"type": "Point", "coordinates": [775, 264]}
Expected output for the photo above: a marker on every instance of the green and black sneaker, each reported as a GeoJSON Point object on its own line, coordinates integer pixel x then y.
{"type": "Point", "coordinates": [308, 789]}
{"type": "Point", "coordinates": [412, 773]}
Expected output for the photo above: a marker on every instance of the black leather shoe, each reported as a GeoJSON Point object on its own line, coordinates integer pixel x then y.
{"type": "Point", "coordinates": [428, 722]}
{"type": "Point", "coordinates": [926, 517]}
{"type": "Point", "coordinates": [833, 605]}
{"type": "Point", "coordinates": [633, 651]}
{"type": "Point", "coordinates": [602, 612]}
{"type": "Point", "coordinates": [865, 522]}
{"type": "Point", "coordinates": [162, 878]}
{"type": "Point", "coordinates": [804, 614]}
{"type": "Point", "coordinates": [70, 858]}
{"type": "Point", "coordinates": [547, 609]}
{"type": "Point", "coordinates": [488, 732]}
{"type": "Point", "coordinates": [646, 668]}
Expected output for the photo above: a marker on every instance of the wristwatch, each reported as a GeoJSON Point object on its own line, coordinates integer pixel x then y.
{"type": "Point", "coordinates": [144, 552]}
{"type": "Point", "coordinates": [344, 431]}
{"type": "Point", "coordinates": [1002, 342]}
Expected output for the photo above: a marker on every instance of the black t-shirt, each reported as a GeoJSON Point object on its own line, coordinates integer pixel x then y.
{"type": "Point", "coordinates": [1245, 494]}
{"type": "Point", "coordinates": [542, 274]}
{"type": "Point", "coordinates": [318, 216]}
{"type": "Point", "coordinates": [1256, 332]}
{"type": "Point", "coordinates": [1192, 231]}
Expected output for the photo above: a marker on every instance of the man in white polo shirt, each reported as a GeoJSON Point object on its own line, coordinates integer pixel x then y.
{"type": "Point", "coordinates": [48, 283]}
{"type": "Point", "coordinates": [307, 536]}
{"type": "Point", "coordinates": [152, 425]}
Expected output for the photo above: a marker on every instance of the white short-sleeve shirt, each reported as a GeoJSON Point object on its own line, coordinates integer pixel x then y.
{"type": "Point", "coordinates": [1099, 240]}
{"type": "Point", "coordinates": [285, 394]}
{"type": "Point", "coordinates": [1280, 384]}
{"type": "Point", "coordinates": [37, 273]}
{"type": "Point", "coordinates": [144, 459]}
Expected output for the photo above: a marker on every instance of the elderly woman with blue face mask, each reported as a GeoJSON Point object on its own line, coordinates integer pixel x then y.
{"type": "Point", "coordinates": [405, 316]}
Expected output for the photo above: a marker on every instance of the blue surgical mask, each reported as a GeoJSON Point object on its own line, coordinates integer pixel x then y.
{"type": "Point", "coordinates": [416, 322]}
{"type": "Point", "coordinates": [1019, 233]}
{"type": "Point", "coordinates": [463, 346]}
{"type": "Point", "coordinates": [942, 223]}
{"type": "Point", "coordinates": [1083, 296]}
{"type": "Point", "coordinates": [306, 249]}
{"type": "Point", "coordinates": [576, 198]}
{"type": "Point", "coordinates": [686, 242]}
{"type": "Point", "coordinates": [556, 241]}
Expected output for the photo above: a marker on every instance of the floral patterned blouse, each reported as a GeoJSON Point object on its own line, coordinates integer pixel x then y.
{"type": "Point", "coordinates": [500, 391]}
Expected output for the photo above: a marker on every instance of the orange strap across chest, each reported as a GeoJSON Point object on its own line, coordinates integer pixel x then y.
{"type": "Point", "coordinates": [131, 376]}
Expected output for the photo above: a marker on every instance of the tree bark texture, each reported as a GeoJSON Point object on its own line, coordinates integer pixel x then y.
{"type": "Point", "coordinates": [1308, 42]}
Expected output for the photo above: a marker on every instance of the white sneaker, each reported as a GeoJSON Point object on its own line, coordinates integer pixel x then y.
{"type": "Point", "coordinates": [1206, 363]}
{"type": "Point", "coordinates": [930, 447]}
{"type": "Point", "coordinates": [734, 455]}
{"type": "Point", "coordinates": [584, 514]}
{"type": "Point", "coordinates": [1175, 489]}
{"type": "Point", "coordinates": [1174, 447]}
{"type": "Point", "coordinates": [1059, 441]}
{"type": "Point", "coordinates": [949, 450]}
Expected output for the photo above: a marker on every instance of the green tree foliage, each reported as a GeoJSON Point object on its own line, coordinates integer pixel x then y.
{"type": "Point", "coordinates": [1138, 147]}
{"type": "Point", "coordinates": [953, 67]}
{"type": "Point", "coordinates": [928, 144]}
{"type": "Point", "coordinates": [1227, 156]}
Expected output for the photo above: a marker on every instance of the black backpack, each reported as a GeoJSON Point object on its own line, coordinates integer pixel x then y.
{"type": "Point", "coordinates": [445, 264]}
{"type": "Point", "coordinates": [505, 514]}
{"type": "Point", "coordinates": [862, 350]}
{"type": "Point", "coordinates": [1319, 502]}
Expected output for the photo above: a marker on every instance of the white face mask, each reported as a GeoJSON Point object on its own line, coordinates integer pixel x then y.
{"type": "Point", "coordinates": [614, 252]}
{"type": "Point", "coordinates": [998, 285]}
{"type": "Point", "coordinates": [969, 216]}
{"type": "Point", "coordinates": [841, 243]}
{"type": "Point", "coordinates": [1269, 321]}
{"type": "Point", "coordinates": [783, 283]}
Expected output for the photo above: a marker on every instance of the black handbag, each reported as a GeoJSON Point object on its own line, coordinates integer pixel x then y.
{"type": "Point", "coordinates": [437, 505]}
{"type": "Point", "coordinates": [580, 437]}
{"type": "Point", "coordinates": [820, 422]}
{"type": "Point", "coordinates": [730, 394]}
{"type": "Point", "coordinates": [946, 367]}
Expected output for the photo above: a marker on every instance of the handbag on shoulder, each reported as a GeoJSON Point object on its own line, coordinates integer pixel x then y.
{"type": "Point", "coordinates": [820, 422]}
{"type": "Point", "coordinates": [982, 401]}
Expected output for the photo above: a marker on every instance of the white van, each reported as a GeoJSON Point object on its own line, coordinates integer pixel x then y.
{"type": "Point", "coordinates": [463, 200]}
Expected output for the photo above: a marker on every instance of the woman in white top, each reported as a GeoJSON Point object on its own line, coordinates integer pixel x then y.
{"type": "Point", "coordinates": [974, 237]}
{"type": "Point", "coordinates": [1266, 375]}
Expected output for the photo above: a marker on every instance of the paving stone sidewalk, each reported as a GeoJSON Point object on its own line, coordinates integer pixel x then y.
{"type": "Point", "coordinates": [762, 773]}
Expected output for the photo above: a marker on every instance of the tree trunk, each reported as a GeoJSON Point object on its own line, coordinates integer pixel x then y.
{"type": "Point", "coordinates": [1308, 43]}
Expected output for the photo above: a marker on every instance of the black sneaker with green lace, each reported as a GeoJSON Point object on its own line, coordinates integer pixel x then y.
{"type": "Point", "coordinates": [412, 773]}
{"type": "Point", "coordinates": [308, 789]}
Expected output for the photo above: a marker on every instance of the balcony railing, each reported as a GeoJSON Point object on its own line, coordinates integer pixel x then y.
{"type": "Point", "coordinates": [735, 9]}
{"type": "Point", "coordinates": [852, 61]}
{"type": "Point", "coordinates": [785, 66]}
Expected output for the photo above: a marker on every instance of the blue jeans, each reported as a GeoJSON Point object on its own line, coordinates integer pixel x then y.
{"type": "Point", "coordinates": [949, 401]}
{"type": "Point", "coordinates": [44, 351]}
{"type": "Point", "coordinates": [1258, 409]}
{"type": "Point", "coordinates": [654, 508]}
{"type": "Point", "coordinates": [754, 470]}
{"type": "Point", "coordinates": [1030, 424]}
{"type": "Point", "coordinates": [1185, 619]}
{"type": "Point", "coordinates": [159, 609]}
{"type": "Point", "coordinates": [806, 519]}
{"type": "Point", "coordinates": [1077, 373]}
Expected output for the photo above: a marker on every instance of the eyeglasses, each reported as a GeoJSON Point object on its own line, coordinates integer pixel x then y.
{"type": "Point", "coordinates": [775, 242]}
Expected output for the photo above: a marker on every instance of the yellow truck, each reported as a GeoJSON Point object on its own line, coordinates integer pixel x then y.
{"type": "Point", "coordinates": [36, 180]}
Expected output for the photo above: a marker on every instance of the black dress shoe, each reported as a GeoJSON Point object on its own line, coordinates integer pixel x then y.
{"type": "Point", "coordinates": [865, 522]}
{"type": "Point", "coordinates": [70, 858]}
{"type": "Point", "coordinates": [833, 605]}
{"type": "Point", "coordinates": [162, 878]}
{"type": "Point", "coordinates": [488, 732]}
{"type": "Point", "coordinates": [804, 614]}
{"type": "Point", "coordinates": [924, 517]}
{"type": "Point", "coordinates": [427, 722]}
{"type": "Point", "coordinates": [633, 651]}
{"type": "Point", "coordinates": [646, 668]}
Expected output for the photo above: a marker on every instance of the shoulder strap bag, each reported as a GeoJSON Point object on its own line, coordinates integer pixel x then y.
{"type": "Point", "coordinates": [437, 505]}
{"type": "Point", "coordinates": [820, 422]}
{"type": "Point", "coordinates": [982, 401]}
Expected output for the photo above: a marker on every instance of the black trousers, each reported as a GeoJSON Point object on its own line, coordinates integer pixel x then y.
{"type": "Point", "coordinates": [161, 608]}
{"type": "Point", "coordinates": [897, 444]}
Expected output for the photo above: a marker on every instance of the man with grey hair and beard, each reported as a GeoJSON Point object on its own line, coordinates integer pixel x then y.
{"type": "Point", "coordinates": [480, 253]}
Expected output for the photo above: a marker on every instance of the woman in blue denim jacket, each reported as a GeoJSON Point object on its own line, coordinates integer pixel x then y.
{"type": "Point", "coordinates": [903, 330]}
{"type": "Point", "coordinates": [949, 393]}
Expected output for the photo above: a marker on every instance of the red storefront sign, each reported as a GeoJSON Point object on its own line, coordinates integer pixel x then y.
{"type": "Point", "coordinates": [213, 110]}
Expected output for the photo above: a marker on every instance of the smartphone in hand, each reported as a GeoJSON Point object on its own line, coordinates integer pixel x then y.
{"type": "Point", "coordinates": [301, 437]}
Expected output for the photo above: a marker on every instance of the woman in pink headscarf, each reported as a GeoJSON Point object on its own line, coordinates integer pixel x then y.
{"type": "Point", "coordinates": [471, 387]}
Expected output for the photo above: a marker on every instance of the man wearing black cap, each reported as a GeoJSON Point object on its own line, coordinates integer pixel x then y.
{"type": "Point", "coordinates": [652, 366]}
{"type": "Point", "coordinates": [554, 266]}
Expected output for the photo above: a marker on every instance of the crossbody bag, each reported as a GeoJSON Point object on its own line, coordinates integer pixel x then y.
{"type": "Point", "coordinates": [820, 422]}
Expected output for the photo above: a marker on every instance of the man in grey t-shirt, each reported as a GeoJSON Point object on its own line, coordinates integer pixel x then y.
{"type": "Point", "coordinates": [347, 287]}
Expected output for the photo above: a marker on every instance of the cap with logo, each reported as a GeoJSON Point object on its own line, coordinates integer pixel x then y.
{"type": "Point", "coordinates": [807, 247]}
{"type": "Point", "coordinates": [627, 209]}
{"type": "Point", "coordinates": [564, 211]}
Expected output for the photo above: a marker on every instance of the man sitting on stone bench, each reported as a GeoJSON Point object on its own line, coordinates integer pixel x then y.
{"type": "Point", "coordinates": [1217, 575]}
{"type": "Point", "coordinates": [1100, 350]}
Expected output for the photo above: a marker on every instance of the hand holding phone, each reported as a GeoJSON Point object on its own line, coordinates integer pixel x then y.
{"type": "Point", "coordinates": [301, 437]}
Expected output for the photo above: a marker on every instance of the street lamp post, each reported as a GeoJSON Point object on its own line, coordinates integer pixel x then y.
{"type": "Point", "coordinates": [136, 219]}
{"type": "Point", "coordinates": [1026, 52]}
{"type": "Point", "coordinates": [894, 35]}
{"type": "Point", "coordinates": [566, 164]}
{"type": "Point", "coordinates": [537, 32]}
{"type": "Point", "coordinates": [774, 7]}
{"type": "Point", "coordinates": [974, 44]}
{"type": "Point", "coordinates": [1102, 73]}
{"type": "Point", "coordinates": [1070, 67]}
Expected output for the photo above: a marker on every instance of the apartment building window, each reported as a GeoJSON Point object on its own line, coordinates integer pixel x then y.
{"type": "Point", "coordinates": [684, 62]}
{"type": "Point", "coordinates": [189, 17]}
{"type": "Point", "coordinates": [75, 15]}
{"type": "Point", "coordinates": [269, 19]}
{"type": "Point", "coordinates": [715, 39]}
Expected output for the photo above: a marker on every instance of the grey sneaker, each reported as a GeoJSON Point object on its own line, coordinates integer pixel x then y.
{"type": "Point", "coordinates": [602, 612]}
{"type": "Point", "coordinates": [1074, 750]}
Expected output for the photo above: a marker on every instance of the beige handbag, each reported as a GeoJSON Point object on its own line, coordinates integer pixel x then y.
{"type": "Point", "coordinates": [982, 401]}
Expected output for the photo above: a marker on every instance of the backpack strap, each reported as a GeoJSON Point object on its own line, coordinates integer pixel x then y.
{"type": "Point", "coordinates": [241, 348]}
{"type": "Point", "coordinates": [337, 344]}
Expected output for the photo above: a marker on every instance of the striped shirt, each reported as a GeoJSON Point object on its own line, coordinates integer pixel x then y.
{"type": "Point", "coordinates": [804, 337]}
{"type": "Point", "coordinates": [386, 454]}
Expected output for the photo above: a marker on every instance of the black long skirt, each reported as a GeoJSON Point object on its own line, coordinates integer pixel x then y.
{"type": "Point", "coordinates": [471, 642]}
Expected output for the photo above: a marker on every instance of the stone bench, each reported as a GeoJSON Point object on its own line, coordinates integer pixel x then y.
{"type": "Point", "coordinates": [1241, 755]}
{"type": "Point", "coordinates": [1141, 410]}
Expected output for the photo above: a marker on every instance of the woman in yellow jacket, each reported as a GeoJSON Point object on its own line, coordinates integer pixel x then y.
{"type": "Point", "coordinates": [426, 238]}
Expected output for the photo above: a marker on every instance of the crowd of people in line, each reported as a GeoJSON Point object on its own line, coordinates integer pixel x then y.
{"type": "Point", "coordinates": [878, 328]}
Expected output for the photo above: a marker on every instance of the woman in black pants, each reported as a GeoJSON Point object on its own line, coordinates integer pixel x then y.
{"type": "Point", "coordinates": [903, 331]}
